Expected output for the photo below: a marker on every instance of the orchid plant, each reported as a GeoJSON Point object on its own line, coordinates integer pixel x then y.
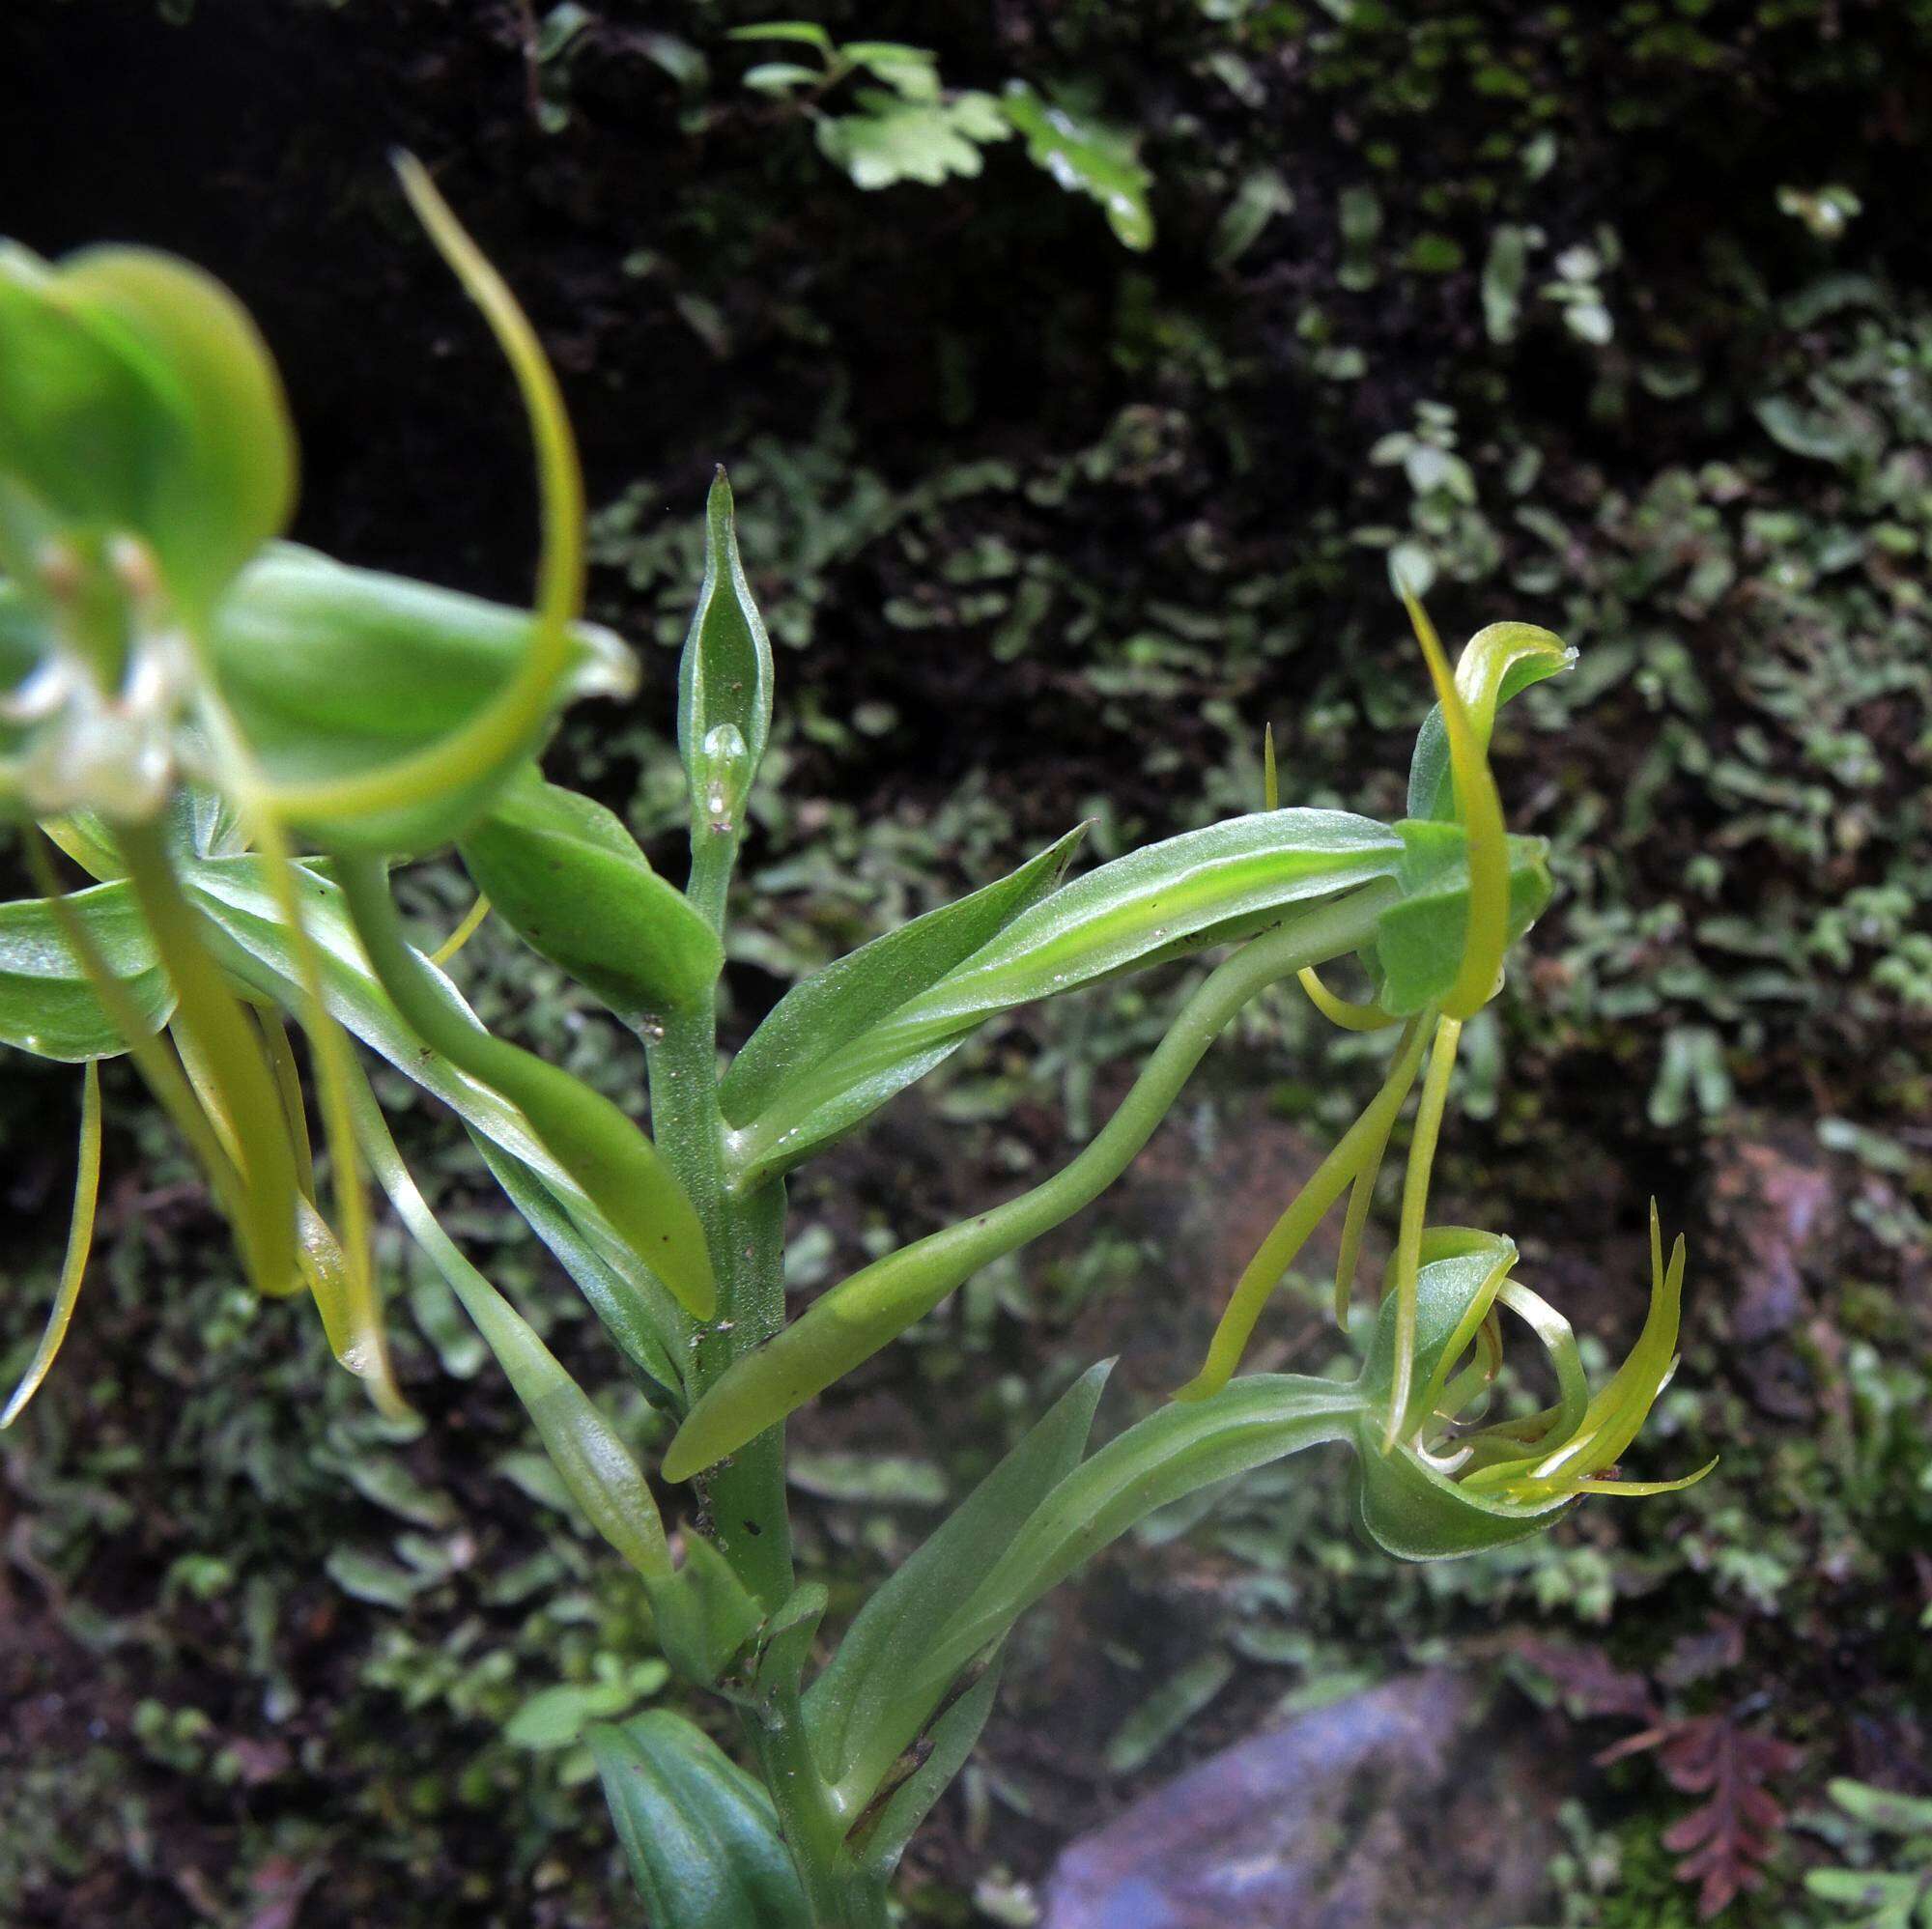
{"type": "Point", "coordinates": [235, 740]}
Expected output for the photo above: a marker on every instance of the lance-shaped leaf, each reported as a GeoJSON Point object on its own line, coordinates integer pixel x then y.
{"type": "Point", "coordinates": [46, 1004]}
{"type": "Point", "coordinates": [568, 878]}
{"type": "Point", "coordinates": [590, 1459]}
{"type": "Point", "coordinates": [640, 1319]}
{"type": "Point", "coordinates": [872, 1700]}
{"type": "Point", "coordinates": [602, 1148]}
{"type": "Point", "coordinates": [1214, 884]}
{"type": "Point", "coordinates": [334, 673]}
{"type": "Point", "coordinates": [1202, 881]}
{"type": "Point", "coordinates": [881, 1839]}
{"type": "Point", "coordinates": [701, 1836]}
{"type": "Point", "coordinates": [1175, 1451]}
{"type": "Point", "coordinates": [724, 681]}
{"type": "Point", "coordinates": [824, 1013]}
{"type": "Point", "coordinates": [704, 1614]}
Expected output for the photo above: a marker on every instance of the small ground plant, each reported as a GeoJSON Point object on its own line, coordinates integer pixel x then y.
{"type": "Point", "coordinates": [236, 740]}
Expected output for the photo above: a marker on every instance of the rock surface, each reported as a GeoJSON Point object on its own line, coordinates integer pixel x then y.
{"type": "Point", "coordinates": [1413, 1805]}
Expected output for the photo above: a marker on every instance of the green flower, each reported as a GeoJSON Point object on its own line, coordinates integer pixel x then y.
{"type": "Point", "coordinates": [1448, 1488]}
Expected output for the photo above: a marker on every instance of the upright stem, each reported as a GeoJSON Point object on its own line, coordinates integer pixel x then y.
{"type": "Point", "coordinates": [745, 1495]}
{"type": "Point", "coordinates": [746, 1498]}
{"type": "Point", "coordinates": [841, 1893]}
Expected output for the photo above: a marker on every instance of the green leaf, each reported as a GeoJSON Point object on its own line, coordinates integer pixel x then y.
{"type": "Point", "coordinates": [333, 672]}
{"type": "Point", "coordinates": [46, 1004]}
{"type": "Point", "coordinates": [556, 1718]}
{"type": "Point", "coordinates": [883, 1840]}
{"type": "Point", "coordinates": [1261, 197]}
{"type": "Point", "coordinates": [602, 1148]}
{"type": "Point", "coordinates": [1203, 887]}
{"type": "Point", "coordinates": [725, 679]}
{"type": "Point", "coordinates": [780, 76]}
{"type": "Point", "coordinates": [785, 1643]}
{"type": "Point", "coordinates": [1882, 1808]}
{"type": "Point", "coordinates": [1819, 434]}
{"type": "Point", "coordinates": [568, 878]}
{"type": "Point", "coordinates": [1173, 1452]}
{"type": "Point", "coordinates": [585, 1449]}
{"type": "Point", "coordinates": [1419, 940]}
{"type": "Point", "coordinates": [1086, 157]}
{"type": "Point", "coordinates": [805, 33]}
{"type": "Point", "coordinates": [913, 72]}
{"type": "Point", "coordinates": [368, 1577]}
{"type": "Point", "coordinates": [1168, 1709]}
{"type": "Point", "coordinates": [1199, 882]}
{"type": "Point", "coordinates": [704, 1614]}
{"type": "Point", "coordinates": [871, 1701]}
{"type": "Point", "coordinates": [897, 138]}
{"type": "Point", "coordinates": [1504, 272]}
{"type": "Point", "coordinates": [635, 1311]}
{"type": "Point", "coordinates": [831, 1008]}
{"type": "Point", "coordinates": [701, 1836]}
{"type": "Point", "coordinates": [885, 1479]}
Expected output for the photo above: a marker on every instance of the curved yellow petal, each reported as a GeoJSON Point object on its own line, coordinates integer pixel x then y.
{"type": "Point", "coordinates": [79, 1244]}
{"type": "Point", "coordinates": [1482, 814]}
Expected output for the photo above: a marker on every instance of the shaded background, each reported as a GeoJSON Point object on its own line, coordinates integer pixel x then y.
{"type": "Point", "coordinates": [1047, 528]}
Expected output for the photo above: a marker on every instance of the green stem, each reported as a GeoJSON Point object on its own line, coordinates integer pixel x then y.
{"type": "Point", "coordinates": [841, 1893]}
{"type": "Point", "coordinates": [746, 1500]}
{"type": "Point", "coordinates": [745, 1233]}
{"type": "Point", "coordinates": [714, 856]}
{"type": "Point", "coordinates": [744, 1496]}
